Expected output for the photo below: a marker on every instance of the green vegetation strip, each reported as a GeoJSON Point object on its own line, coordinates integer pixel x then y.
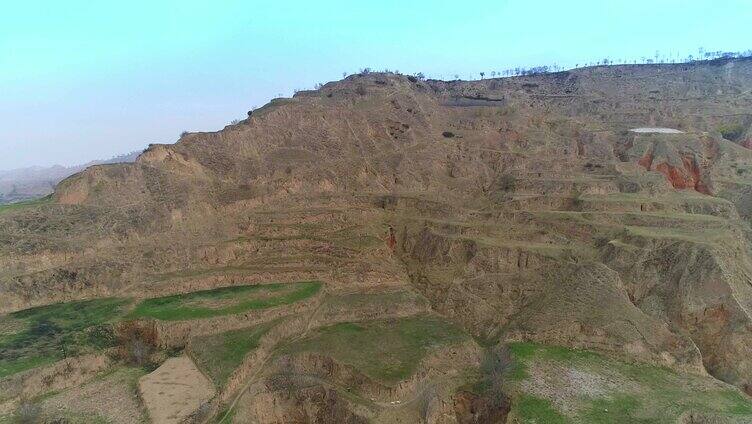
{"type": "Point", "coordinates": [219, 355]}
{"type": "Point", "coordinates": [41, 335]}
{"type": "Point", "coordinates": [645, 393]}
{"type": "Point", "coordinates": [25, 204]}
{"type": "Point", "coordinates": [386, 350]}
{"type": "Point", "coordinates": [224, 301]}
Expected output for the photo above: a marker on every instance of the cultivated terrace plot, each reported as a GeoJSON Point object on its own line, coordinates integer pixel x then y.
{"type": "Point", "coordinates": [44, 334]}
{"type": "Point", "coordinates": [24, 204]}
{"type": "Point", "coordinates": [223, 301]}
{"type": "Point", "coordinates": [219, 355]}
{"type": "Point", "coordinates": [387, 351]}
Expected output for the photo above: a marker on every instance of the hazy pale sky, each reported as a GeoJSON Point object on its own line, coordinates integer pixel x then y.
{"type": "Point", "coordinates": [82, 80]}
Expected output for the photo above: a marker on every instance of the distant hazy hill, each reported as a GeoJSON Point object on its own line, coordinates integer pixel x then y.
{"type": "Point", "coordinates": [37, 181]}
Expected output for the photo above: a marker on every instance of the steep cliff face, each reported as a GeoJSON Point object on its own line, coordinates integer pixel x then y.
{"type": "Point", "coordinates": [522, 208]}
{"type": "Point", "coordinates": [699, 285]}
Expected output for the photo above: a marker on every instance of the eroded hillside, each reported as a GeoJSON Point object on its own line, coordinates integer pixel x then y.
{"type": "Point", "coordinates": [476, 247]}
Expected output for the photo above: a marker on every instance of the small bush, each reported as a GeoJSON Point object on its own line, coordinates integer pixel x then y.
{"type": "Point", "coordinates": [732, 132]}
{"type": "Point", "coordinates": [361, 90]}
{"type": "Point", "coordinates": [495, 366]}
{"type": "Point", "coordinates": [601, 241]}
{"type": "Point", "coordinates": [575, 200]}
{"type": "Point", "coordinates": [285, 380]}
{"type": "Point", "coordinates": [448, 134]}
{"type": "Point", "coordinates": [506, 182]}
{"type": "Point", "coordinates": [28, 412]}
{"type": "Point", "coordinates": [137, 340]}
{"type": "Point", "coordinates": [101, 336]}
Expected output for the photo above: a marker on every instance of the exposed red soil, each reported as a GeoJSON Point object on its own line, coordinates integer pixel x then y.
{"type": "Point", "coordinates": [646, 161]}
{"type": "Point", "coordinates": [391, 240]}
{"type": "Point", "coordinates": [688, 176]}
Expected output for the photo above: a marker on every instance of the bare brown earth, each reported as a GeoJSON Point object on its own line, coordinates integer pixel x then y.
{"type": "Point", "coordinates": [174, 391]}
{"type": "Point", "coordinates": [520, 209]}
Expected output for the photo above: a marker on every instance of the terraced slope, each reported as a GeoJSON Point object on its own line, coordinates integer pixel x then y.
{"type": "Point", "coordinates": [448, 223]}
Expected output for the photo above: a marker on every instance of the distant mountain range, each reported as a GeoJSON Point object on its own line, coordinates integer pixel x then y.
{"type": "Point", "coordinates": [17, 185]}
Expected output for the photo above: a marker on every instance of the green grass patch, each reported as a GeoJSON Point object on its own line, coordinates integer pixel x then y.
{"type": "Point", "coordinates": [620, 410]}
{"type": "Point", "coordinates": [12, 366]}
{"type": "Point", "coordinates": [224, 301]}
{"type": "Point", "coordinates": [385, 350]}
{"type": "Point", "coordinates": [219, 355]}
{"type": "Point", "coordinates": [41, 335]}
{"type": "Point", "coordinates": [533, 410]}
{"type": "Point", "coordinates": [25, 204]}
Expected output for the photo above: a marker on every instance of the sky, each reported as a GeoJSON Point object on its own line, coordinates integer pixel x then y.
{"type": "Point", "coordinates": [83, 80]}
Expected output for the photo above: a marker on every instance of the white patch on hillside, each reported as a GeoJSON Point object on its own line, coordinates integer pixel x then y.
{"type": "Point", "coordinates": [656, 130]}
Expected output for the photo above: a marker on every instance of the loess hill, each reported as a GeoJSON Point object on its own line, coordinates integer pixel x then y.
{"type": "Point", "coordinates": [503, 250]}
